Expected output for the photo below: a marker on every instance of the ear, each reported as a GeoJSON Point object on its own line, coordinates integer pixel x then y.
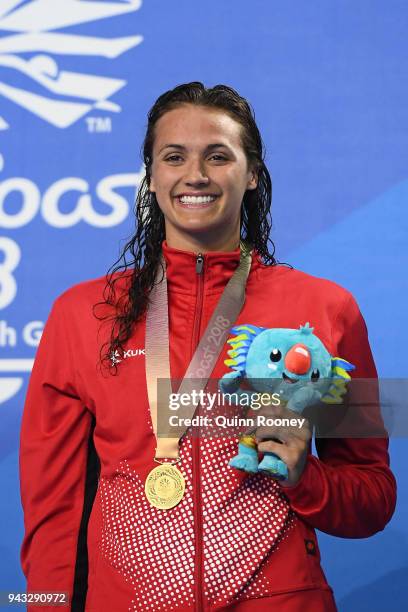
{"type": "Point", "coordinates": [253, 181]}
{"type": "Point", "coordinates": [152, 187]}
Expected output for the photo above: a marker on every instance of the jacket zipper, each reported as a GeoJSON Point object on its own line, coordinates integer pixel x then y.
{"type": "Point", "coordinates": [198, 578]}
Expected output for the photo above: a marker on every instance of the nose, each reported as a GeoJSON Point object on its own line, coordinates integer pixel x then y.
{"type": "Point", "coordinates": [298, 359]}
{"type": "Point", "coordinates": [196, 173]}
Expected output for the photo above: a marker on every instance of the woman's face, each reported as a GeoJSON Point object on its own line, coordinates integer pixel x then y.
{"type": "Point", "coordinates": [199, 175]}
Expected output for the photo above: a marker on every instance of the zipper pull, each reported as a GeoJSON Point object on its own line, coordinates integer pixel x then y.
{"type": "Point", "coordinates": [199, 263]}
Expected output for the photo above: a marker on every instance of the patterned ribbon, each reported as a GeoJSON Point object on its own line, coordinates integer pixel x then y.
{"type": "Point", "coordinates": [204, 358]}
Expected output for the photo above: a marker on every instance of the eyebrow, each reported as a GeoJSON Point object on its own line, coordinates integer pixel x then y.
{"type": "Point", "coordinates": [210, 147]}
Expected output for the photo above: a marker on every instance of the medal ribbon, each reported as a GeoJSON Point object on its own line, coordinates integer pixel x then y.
{"type": "Point", "coordinates": [203, 362]}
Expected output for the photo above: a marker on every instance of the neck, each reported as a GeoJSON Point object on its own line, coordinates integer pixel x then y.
{"type": "Point", "coordinates": [202, 244]}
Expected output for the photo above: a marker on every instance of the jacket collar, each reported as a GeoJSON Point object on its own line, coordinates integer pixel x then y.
{"type": "Point", "coordinates": [218, 267]}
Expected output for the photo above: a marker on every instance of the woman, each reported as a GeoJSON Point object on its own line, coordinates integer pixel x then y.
{"type": "Point", "coordinates": [229, 541]}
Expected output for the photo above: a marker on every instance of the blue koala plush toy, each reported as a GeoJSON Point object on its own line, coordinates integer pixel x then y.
{"type": "Point", "coordinates": [291, 362]}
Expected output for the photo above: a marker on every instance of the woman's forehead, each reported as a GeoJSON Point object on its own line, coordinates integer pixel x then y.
{"type": "Point", "coordinates": [188, 124]}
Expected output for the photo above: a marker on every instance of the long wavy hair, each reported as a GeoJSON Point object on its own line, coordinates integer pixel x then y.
{"type": "Point", "coordinates": [140, 258]}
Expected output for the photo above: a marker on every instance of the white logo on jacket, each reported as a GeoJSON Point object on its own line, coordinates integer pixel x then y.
{"type": "Point", "coordinates": [115, 358]}
{"type": "Point", "coordinates": [73, 94]}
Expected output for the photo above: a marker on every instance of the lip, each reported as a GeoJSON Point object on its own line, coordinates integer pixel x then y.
{"type": "Point", "coordinates": [196, 194]}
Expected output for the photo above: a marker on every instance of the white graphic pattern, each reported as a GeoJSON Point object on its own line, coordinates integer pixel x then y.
{"type": "Point", "coordinates": [242, 523]}
{"type": "Point", "coordinates": [33, 22]}
{"type": "Point", "coordinates": [244, 520]}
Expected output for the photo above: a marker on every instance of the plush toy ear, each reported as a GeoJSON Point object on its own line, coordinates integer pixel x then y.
{"type": "Point", "coordinates": [340, 377]}
{"type": "Point", "coordinates": [240, 345]}
{"type": "Point", "coordinates": [306, 329]}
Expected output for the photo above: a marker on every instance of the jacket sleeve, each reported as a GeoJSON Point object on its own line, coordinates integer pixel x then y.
{"type": "Point", "coordinates": [53, 456]}
{"type": "Point", "coordinates": [349, 490]}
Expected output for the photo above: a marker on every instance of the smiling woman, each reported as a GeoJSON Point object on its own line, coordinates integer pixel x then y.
{"type": "Point", "coordinates": [200, 181]}
{"type": "Point", "coordinates": [199, 142]}
{"type": "Point", "coordinates": [121, 511]}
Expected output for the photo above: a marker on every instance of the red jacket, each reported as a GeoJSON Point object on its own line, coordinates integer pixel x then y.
{"type": "Point", "coordinates": [235, 541]}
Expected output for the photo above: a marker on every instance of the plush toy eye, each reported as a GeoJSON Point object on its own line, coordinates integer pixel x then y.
{"type": "Point", "coordinates": [275, 355]}
{"type": "Point", "coordinates": [315, 375]}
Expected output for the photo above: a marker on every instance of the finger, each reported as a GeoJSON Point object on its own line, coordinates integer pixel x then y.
{"type": "Point", "coordinates": [269, 433]}
{"type": "Point", "coordinates": [283, 433]}
{"type": "Point", "coordinates": [278, 413]}
{"type": "Point", "coordinates": [289, 439]}
{"type": "Point", "coordinates": [280, 450]}
{"type": "Point", "coordinates": [290, 455]}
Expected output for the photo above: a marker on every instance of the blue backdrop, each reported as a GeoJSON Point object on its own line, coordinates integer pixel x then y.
{"type": "Point", "coordinates": [328, 82]}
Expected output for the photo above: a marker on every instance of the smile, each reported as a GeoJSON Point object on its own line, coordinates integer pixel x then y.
{"type": "Point", "coordinates": [196, 201]}
{"type": "Point", "coordinates": [288, 379]}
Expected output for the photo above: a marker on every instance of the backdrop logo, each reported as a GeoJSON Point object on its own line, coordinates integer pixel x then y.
{"type": "Point", "coordinates": [60, 97]}
{"type": "Point", "coordinates": [11, 385]}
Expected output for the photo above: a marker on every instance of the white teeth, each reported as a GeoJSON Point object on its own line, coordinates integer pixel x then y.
{"type": "Point", "coordinates": [197, 199]}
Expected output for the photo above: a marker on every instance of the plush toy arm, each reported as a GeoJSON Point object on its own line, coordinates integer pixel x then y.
{"type": "Point", "coordinates": [230, 382]}
{"type": "Point", "coordinates": [305, 396]}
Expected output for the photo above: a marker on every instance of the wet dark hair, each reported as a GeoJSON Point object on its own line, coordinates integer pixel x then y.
{"type": "Point", "coordinates": [139, 260]}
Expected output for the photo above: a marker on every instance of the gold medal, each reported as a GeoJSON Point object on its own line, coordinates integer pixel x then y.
{"type": "Point", "coordinates": [165, 486]}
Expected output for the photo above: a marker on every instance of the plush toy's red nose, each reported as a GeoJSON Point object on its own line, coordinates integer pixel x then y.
{"type": "Point", "coordinates": [298, 359]}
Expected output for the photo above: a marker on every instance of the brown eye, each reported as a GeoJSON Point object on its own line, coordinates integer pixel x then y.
{"type": "Point", "coordinates": [275, 355]}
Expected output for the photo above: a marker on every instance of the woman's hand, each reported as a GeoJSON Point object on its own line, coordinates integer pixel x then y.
{"type": "Point", "coordinates": [290, 444]}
